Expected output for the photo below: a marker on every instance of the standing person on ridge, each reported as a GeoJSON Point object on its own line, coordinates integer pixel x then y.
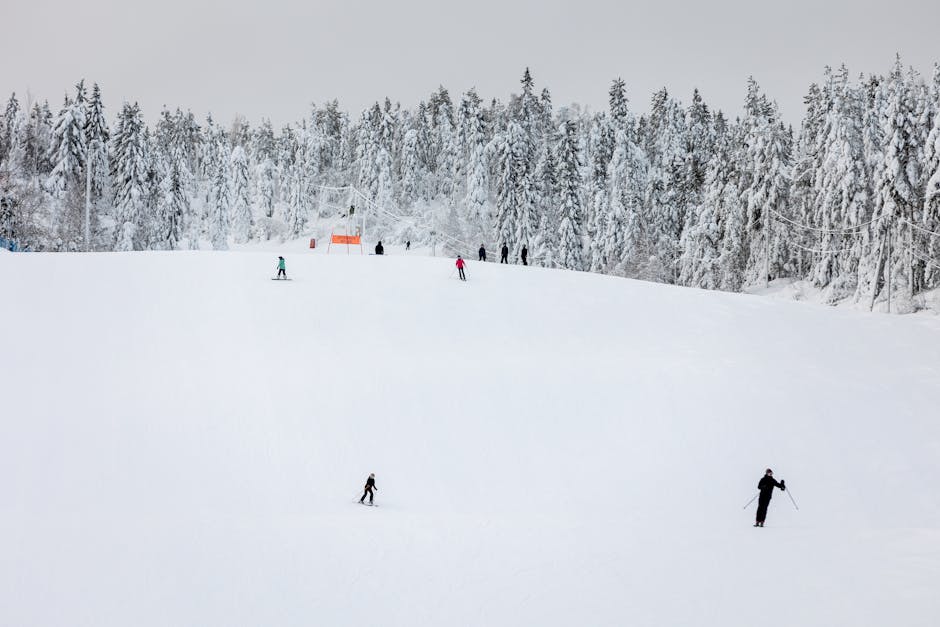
{"type": "Point", "coordinates": [766, 486]}
{"type": "Point", "coordinates": [379, 249]}
{"type": "Point", "coordinates": [370, 486]}
{"type": "Point", "coordinates": [504, 254]}
{"type": "Point", "coordinates": [460, 264]}
{"type": "Point", "coordinates": [408, 245]}
{"type": "Point", "coordinates": [281, 268]}
{"type": "Point", "coordinates": [482, 253]}
{"type": "Point", "coordinates": [525, 255]}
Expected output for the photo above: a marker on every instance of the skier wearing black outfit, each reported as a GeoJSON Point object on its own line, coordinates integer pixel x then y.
{"type": "Point", "coordinates": [370, 486]}
{"type": "Point", "coordinates": [379, 249]}
{"type": "Point", "coordinates": [482, 253]}
{"type": "Point", "coordinates": [766, 486]}
{"type": "Point", "coordinates": [525, 255]}
{"type": "Point", "coordinates": [504, 254]}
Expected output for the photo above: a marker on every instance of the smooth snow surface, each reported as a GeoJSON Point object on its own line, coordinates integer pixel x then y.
{"type": "Point", "coordinates": [183, 441]}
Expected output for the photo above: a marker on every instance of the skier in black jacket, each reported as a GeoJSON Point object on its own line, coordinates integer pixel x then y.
{"type": "Point", "coordinates": [766, 486]}
{"type": "Point", "coordinates": [482, 252]}
{"type": "Point", "coordinates": [525, 255]}
{"type": "Point", "coordinates": [370, 485]}
{"type": "Point", "coordinates": [379, 249]}
{"type": "Point", "coordinates": [504, 254]}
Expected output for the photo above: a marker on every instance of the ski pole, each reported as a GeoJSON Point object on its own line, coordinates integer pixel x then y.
{"type": "Point", "coordinates": [791, 499]}
{"type": "Point", "coordinates": [751, 501]}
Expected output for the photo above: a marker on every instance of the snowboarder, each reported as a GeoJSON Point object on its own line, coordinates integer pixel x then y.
{"type": "Point", "coordinates": [460, 264]}
{"type": "Point", "coordinates": [281, 268]}
{"type": "Point", "coordinates": [379, 249]}
{"type": "Point", "coordinates": [482, 253]}
{"type": "Point", "coordinates": [525, 255]}
{"type": "Point", "coordinates": [504, 254]}
{"type": "Point", "coordinates": [370, 486]}
{"type": "Point", "coordinates": [766, 486]}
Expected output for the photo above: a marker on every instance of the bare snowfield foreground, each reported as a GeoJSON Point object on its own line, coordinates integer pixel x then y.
{"type": "Point", "coordinates": [183, 442]}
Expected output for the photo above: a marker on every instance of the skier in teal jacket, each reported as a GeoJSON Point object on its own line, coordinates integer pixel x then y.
{"type": "Point", "coordinates": [281, 268]}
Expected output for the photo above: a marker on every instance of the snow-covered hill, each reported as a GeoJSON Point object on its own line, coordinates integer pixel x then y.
{"type": "Point", "coordinates": [183, 441]}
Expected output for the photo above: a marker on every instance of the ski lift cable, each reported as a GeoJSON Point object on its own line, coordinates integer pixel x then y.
{"type": "Point", "coordinates": [855, 230]}
{"type": "Point", "coordinates": [821, 252]}
{"type": "Point", "coordinates": [919, 228]}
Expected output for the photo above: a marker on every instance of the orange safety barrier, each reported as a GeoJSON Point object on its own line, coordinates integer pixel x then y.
{"type": "Point", "coordinates": [347, 239]}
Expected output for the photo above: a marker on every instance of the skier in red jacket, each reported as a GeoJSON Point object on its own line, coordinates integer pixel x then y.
{"type": "Point", "coordinates": [460, 264]}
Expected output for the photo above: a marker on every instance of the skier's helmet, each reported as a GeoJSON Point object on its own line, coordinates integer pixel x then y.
{"type": "Point", "coordinates": [371, 474]}
{"type": "Point", "coordinates": [769, 472]}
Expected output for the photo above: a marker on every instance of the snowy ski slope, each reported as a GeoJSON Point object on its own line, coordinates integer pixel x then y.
{"type": "Point", "coordinates": [183, 441]}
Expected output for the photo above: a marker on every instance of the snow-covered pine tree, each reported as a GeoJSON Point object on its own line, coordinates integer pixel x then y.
{"type": "Point", "coordinates": [624, 243]}
{"type": "Point", "coordinates": [411, 173]}
{"type": "Point", "coordinates": [220, 209]}
{"type": "Point", "coordinates": [569, 252]}
{"type": "Point", "coordinates": [666, 200]}
{"type": "Point", "coordinates": [930, 247]}
{"type": "Point", "coordinates": [546, 203]}
{"type": "Point", "coordinates": [841, 199]}
{"type": "Point", "coordinates": [129, 165]}
{"type": "Point", "coordinates": [176, 207]}
{"type": "Point", "coordinates": [478, 207]}
{"type": "Point", "coordinates": [10, 115]}
{"type": "Point", "coordinates": [514, 195]}
{"type": "Point", "coordinates": [896, 194]}
{"type": "Point", "coordinates": [601, 145]}
{"type": "Point", "coordinates": [68, 149]}
{"type": "Point", "coordinates": [243, 222]}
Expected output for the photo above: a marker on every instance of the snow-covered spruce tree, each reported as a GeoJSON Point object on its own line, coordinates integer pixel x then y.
{"type": "Point", "coordinates": [263, 182]}
{"type": "Point", "coordinates": [896, 193]}
{"type": "Point", "coordinates": [367, 149]}
{"type": "Point", "coordinates": [713, 254]}
{"type": "Point", "coordinates": [67, 153]}
{"type": "Point", "coordinates": [546, 201]}
{"type": "Point", "coordinates": [243, 222]}
{"type": "Point", "coordinates": [514, 195]}
{"type": "Point", "coordinates": [175, 202]}
{"type": "Point", "coordinates": [10, 115]}
{"type": "Point", "coordinates": [479, 211]}
{"type": "Point", "coordinates": [601, 145]}
{"type": "Point", "coordinates": [624, 243]}
{"type": "Point", "coordinates": [97, 137]}
{"type": "Point", "coordinates": [841, 199]}
{"type": "Point", "coordinates": [569, 251]}
{"type": "Point", "coordinates": [298, 201]}
{"type": "Point", "coordinates": [448, 162]}
{"type": "Point", "coordinates": [411, 173]}
{"type": "Point", "coordinates": [931, 213]}
{"type": "Point", "coordinates": [129, 165]}
{"type": "Point", "coordinates": [220, 217]}
{"type": "Point", "coordinates": [666, 201]}
{"type": "Point", "coordinates": [265, 190]}
{"type": "Point", "coordinates": [765, 180]}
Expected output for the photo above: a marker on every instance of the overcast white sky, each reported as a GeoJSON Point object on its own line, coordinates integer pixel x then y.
{"type": "Point", "coordinates": [272, 58]}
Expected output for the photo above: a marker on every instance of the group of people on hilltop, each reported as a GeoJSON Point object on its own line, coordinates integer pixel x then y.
{"type": "Point", "coordinates": [504, 254]}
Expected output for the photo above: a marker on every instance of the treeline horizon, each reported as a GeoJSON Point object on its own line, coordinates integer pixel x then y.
{"type": "Point", "coordinates": [678, 194]}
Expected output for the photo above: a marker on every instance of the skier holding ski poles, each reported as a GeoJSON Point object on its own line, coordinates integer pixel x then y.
{"type": "Point", "coordinates": [370, 486]}
{"type": "Point", "coordinates": [460, 264]}
{"type": "Point", "coordinates": [766, 486]}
